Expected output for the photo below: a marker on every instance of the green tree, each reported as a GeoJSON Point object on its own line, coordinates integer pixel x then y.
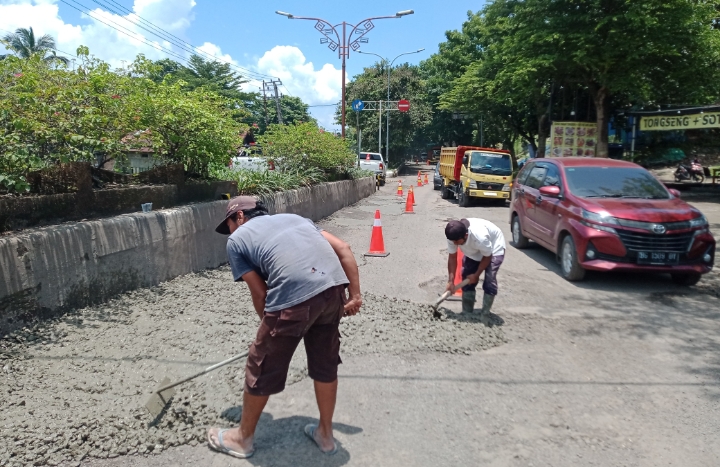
{"type": "Point", "coordinates": [510, 96]}
{"type": "Point", "coordinates": [24, 44]}
{"type": "Point", "coordinates": [405, 128]}
{"type": "Point", "coordinates": [648, 50]}
{"type": "Point", "coordinates": [192, 127]}
{"type": "Point", "coordinates": [293, 110]}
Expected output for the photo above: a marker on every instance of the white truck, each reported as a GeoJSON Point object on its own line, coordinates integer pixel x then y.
{"type": "Point", "coordinates": [250, 158]}
{"type": "Point", "coordinates": [373, 162]}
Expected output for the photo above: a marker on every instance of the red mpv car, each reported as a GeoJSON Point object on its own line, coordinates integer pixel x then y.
{"type": "Point", "coordinates": [608, 215]}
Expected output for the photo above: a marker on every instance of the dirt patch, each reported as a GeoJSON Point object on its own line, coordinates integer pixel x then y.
{"type": "Point", "coordinates": [74, 387]}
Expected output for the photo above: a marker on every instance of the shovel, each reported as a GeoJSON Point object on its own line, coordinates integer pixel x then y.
{"type": "Point", "coordinates": [159, 399]}
{"type": "Point", "coordinates": [445, 296]}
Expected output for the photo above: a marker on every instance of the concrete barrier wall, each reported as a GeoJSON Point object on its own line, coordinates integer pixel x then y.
{"type": "Point", "coordinates": [69, 266]}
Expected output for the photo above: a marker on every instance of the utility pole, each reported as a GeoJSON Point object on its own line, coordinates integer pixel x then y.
{"type": "Point", "coordinates": [272, 86]}
{"type": "Point", "coordinates": [265, 104]}
{"type": "Point", "coordinates": [275, 83]}
{"type": "Point", "coordinates": [380, 129]}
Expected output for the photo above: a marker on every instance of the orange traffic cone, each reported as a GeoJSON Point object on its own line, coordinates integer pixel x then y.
{"type": "Point", "coordinates": [419, 179]}
{"type": "Point", "coordinates": [426, 180]}
{"type": "Point", "coordinates": [399, 190]}
{"type": "Point", "coordinates": [411, 195]}
{"type": "Point", "coordinates": [458, 272]}
{"type": "Point", "coordinates": [409, 205]}
{"type": "Point", "coordinates": [377, 244]}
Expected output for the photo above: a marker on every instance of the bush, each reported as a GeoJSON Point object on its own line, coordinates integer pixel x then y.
{"type": "Point", "coordinates": [269, 181]}
{"type": "Point", "coordinates": [304, 145]}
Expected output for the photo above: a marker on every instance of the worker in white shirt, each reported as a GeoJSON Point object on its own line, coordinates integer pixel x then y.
{"type": "Point", "coordinates": [483, 245]}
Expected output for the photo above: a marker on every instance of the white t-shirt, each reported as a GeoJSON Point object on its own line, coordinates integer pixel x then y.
{"type": "Point", "coordinates": [484, 239]}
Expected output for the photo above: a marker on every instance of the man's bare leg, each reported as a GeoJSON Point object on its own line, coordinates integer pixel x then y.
{"type": "Point", "coordinates": [242, 438]}
{"type": "Point", "coordinates": [326, 396]}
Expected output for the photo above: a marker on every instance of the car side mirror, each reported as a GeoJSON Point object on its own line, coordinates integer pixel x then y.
{"type": "Point", "coordinates": [675, 193]}
{"type": "Point", "coordinates": [550, 191]}
{"type": "Point", "coordinates": [465, 160]}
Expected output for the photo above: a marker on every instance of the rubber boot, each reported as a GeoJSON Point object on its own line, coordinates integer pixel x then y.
{"type": "Point", "coordinates": [487, 304]}
{"type": "Point", "coordinates": [468, 301]}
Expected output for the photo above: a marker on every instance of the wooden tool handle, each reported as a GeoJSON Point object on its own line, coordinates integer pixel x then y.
{"type": "Point", "coordinates": [447, 294]}
{"type": "Point", "coordinates": [206, 370]}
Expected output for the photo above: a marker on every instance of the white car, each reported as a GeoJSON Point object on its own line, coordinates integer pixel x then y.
{"type": "Point", "coordinates": [373, 162]}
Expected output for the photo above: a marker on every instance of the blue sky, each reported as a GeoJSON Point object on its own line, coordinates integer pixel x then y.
{"type": "Point", "coordinates": [248, 34]}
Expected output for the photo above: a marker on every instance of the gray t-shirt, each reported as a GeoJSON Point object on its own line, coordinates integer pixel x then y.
{"type": "Point", "coordinates": [290, 253]}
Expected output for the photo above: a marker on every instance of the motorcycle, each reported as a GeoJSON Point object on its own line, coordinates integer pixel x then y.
{"type": "Point", "coordinates": [693, 172]}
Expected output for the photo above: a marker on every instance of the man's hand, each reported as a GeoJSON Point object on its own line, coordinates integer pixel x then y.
{"type": "Point", "coordinates": [450, 286]}
{"type": "Point", "coordinates": [353, 305]}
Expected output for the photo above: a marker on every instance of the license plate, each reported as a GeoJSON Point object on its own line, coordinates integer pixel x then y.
{"type": "Point", "coordinates": [657, 257]}
{"type": "Point", "coordinates": [489, 193]}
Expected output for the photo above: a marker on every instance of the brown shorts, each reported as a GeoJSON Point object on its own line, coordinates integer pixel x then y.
{"type": "Point", "coordinates": [316, 320]}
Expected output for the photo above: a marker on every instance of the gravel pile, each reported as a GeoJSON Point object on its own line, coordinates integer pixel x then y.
{"type": "Point", "coordinates": [75, 387]}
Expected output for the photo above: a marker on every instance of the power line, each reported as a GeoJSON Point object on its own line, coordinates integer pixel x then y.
{"type": "Point", "coordinates": [130, 34]}
{"type": "Point", "coordinates": [174, 40]}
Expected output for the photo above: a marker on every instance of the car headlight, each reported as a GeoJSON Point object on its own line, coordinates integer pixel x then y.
{"type": "Point", "coordinates": [507, 187]}
{"type": "Point", "coordinates": [472, 184]}
{"type": "Point", "coordinates": [593, 219]}
{"type": "Point", "coordinates": [699, 222]}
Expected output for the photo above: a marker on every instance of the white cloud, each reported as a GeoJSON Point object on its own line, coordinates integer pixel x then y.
{"type": "Point", "coordinates": [301, 78]}
{"type": "Point", "coordinates": [214, 50]}
{"type": "Point", "coordinates": [113, 45]}
{"type": "Point", "coordinates": [315, 86]}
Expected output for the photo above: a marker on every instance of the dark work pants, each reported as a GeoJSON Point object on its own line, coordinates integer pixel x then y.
{"type": "Point", "coordinates": [490, 285]}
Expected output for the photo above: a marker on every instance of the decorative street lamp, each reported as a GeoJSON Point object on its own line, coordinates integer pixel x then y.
{"type": "Point", "coordinates": [387, 112]}
{"type": "Point", "coordinates": [344, 42]}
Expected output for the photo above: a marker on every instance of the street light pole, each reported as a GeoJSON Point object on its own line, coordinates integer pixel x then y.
{"type": "Point", "coordinates": [346, 42]}
{"type": "Point", "coordinates": [387, 116]}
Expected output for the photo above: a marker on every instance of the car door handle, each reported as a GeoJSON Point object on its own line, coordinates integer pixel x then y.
{"type": "Point", "coordinates": [538, 200]}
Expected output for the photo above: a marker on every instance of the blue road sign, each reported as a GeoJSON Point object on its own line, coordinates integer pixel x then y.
{"type": "Point", "coordinates": [358, 105]}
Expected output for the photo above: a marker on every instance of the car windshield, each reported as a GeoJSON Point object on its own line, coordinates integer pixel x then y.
{"type": "Point", "coordinates": [490, 163]}
{"type": "Point", "coordinates": [614, 182]}
{"type": "Point", "coordinates": [366, 156]}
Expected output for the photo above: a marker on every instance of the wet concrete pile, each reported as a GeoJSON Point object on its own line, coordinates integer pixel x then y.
{"type": "Point", "coordinates": [74, 387]}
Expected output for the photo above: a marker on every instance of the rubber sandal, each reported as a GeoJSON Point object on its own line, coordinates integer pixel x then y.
{"type": "Point", "coordinates": [310, 433]}
{"type": "Point", "coordinates": [220, 447]}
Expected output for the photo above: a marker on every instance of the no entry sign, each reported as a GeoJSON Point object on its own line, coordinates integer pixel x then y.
{"type": "Point", "coordinates": [403, 105]}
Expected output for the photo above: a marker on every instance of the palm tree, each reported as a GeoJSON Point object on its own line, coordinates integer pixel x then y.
{"type": "Point", "coordinates": [24, 44]}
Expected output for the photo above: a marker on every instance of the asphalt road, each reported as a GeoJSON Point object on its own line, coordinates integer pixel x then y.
{"type": "Point", "coordinates": [615, 370]}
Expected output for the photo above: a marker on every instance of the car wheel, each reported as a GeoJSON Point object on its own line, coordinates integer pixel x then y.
{"type": "Point", "coordinates": [686, 279]}
{"type": "Point", "coordinates": [519, 240]}
{"type": "Point", "coordinates": [569, 265]}
{"type": "Point", "coordinates": [445, 192]}
{"type": "Point", "coordinates": [463, 199]}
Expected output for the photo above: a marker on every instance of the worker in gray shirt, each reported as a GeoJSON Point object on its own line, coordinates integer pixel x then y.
{"type": "Point", "coordinates": [298, 276]}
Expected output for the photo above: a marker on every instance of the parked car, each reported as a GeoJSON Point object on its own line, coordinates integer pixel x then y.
{"type": "Point", "coordinates": [373, 162]}
{"type": "Point", "coordinates": [609, 215]}
{"type": "Point", "coordinates": [437, 178]}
